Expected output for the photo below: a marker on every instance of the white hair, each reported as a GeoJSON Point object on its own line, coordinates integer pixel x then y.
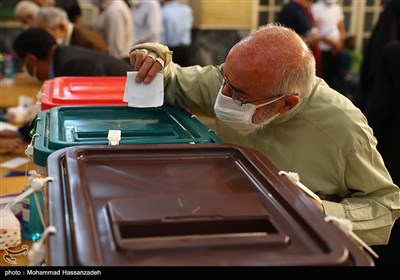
{"type": "Point", "coordinates": [26, 8]}
{"type": "Point", "coordinates": [295, 72]}
{"type": "Point", "coordinates": [51, 17]}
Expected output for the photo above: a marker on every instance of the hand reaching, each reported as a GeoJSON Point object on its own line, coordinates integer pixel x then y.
{"type": "Point", "coordinates": [146, 65]}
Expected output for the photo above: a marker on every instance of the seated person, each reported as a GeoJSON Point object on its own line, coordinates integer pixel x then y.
{"type": "Point", "coordinates": [42, 59]}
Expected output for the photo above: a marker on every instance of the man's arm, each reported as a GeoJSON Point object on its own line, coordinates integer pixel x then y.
{"type": "Point", "coordinates": [374, 202]}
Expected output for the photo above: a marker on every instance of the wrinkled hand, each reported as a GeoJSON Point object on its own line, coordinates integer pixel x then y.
{"type": "Point", "coordinates": [146, 66]}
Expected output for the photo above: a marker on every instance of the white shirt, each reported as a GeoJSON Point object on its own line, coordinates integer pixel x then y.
{"type": "Point", "coordinates": [328, 18]}
{"type": "Point", "coordinates": [177, 20]}
{"type": "Point", "coordinates": [116, 26]}
{"type": "Point", "coordinates": [147, 20]}
{"type": "Point", "coordinates": [67, 38]}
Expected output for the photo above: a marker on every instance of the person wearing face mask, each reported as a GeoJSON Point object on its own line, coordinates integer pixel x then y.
{"type": "Point", "coordinates": [56, 22]}
{"type": "Point", "coordinates": [42, 58]}
{"type": "Point", "coordinates": [268, 98]}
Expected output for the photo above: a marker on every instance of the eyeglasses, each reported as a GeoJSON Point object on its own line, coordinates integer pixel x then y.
{"type": "Point", "coordinates": [239, 100]}
{"type": "Point", "coordinates": [236, 96]}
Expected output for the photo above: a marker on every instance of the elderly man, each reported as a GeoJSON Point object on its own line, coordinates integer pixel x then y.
{"type": "Point", "coordinates": [267, 97]}
{"type": "Point", "coordinates": [25, 12]}
{"type": "Point", "coordinates": [56, 22]}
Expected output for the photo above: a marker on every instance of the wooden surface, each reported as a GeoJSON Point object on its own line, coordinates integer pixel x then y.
{"type": "Point", "coordinates": [9, 97]}
{"type": "Point", "coordinates": [9, 93]}
{"type": "Point", "coordinates": [10, 185]}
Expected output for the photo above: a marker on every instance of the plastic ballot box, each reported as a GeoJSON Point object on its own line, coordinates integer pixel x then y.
{"type": "Point", "coordinates": [185, 205]}
{"type": "Point", "coordinates": [65, 126]}
{"type": "Point", "coordinates": [70, 91]}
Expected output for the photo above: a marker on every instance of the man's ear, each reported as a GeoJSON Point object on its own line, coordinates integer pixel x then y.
{"type": "Point", "coordinates": [289, 102]}
{"type": "Point", "coordinates": [63, 28]}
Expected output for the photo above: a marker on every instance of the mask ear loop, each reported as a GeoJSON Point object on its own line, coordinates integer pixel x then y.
{"type": "Point", "coordinates": [29, 152]}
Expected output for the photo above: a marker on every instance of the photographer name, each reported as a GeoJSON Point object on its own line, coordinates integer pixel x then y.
{"type": "Point", "coordinates": [57, 272]}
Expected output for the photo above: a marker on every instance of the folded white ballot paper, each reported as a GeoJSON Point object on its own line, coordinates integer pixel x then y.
{"type": "Point", "coordinates": [144, 95]}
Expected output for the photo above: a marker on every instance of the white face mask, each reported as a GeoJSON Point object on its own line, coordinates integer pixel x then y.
{"type": "Point", "coordinates": [240, 117]}
{"type": "Point", "coordinates": [32, 77]}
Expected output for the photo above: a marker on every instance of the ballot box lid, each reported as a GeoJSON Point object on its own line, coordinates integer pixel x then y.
{"type": "Point", "coordinates": [182, 204]}
{"type": "Point", "coordinates": [65, 126]}
{"type": "Point", "coordinates": [67, 91]}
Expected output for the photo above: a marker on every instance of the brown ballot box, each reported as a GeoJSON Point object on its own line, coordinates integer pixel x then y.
{"type": "Point", "coordinates": [185, 205]}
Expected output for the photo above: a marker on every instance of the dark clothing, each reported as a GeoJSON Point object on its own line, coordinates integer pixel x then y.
{"type": "Point", "coordinates": [300, 19]}
{"type": "Point", "coordinates": [378, 96]}
{"type": "Point", "coordinates": [383, 108]}
{"type": "Point", "coordinates": [331, 69]}
{"type": "Point", "coordinates": [78, 61]}
{"type": "Point", "coordinates": [88, 39]}
{"type": "Point", "coordinates": [181, 55]}
{"type": "Point", "coordinates": [383, 114]}
{"type": "Point", "coordinates": [293, 16]}
{"type": "Point", "coordinates": [71, 7]}
{"type": "Point", "coordinates": [25, 130]}
{"type": "Point", "coordinates": [386, 30]}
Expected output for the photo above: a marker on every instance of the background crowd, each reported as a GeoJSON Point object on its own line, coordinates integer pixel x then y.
{"type": "Point", "coordinates": [57, 43]}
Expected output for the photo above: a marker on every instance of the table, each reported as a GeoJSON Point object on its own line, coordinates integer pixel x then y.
{"type": "Point", "coordinates": [9, 97]}
{"type": "Point", "coordinates": [10, 185]}
{"type": "Point", "coordinates": [9, 93]}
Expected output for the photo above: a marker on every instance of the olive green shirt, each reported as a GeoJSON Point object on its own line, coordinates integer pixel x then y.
{"type": "Point", "coordinates": [325, 139]}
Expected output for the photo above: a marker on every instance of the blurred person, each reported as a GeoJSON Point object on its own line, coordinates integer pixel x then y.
{"type": "Point", "coordinates": [116, 26]}
{"type": "Point", "coordinates": [378, 98]}
{"type": "Point", "coordinates": [383, 112]}
{"type": "Point", "coordinates": [73, 10]}
{"type": "Point", "coordinates": [386, 30]}
{"type": "Point", "coordinates": [330, 22]}
{"type": "Point", "coordinates": [146, 15]}
{"type": "Point", "coordinates": [297, 15]}
{"type": "Point", "coordinates": [383, 107]}
{"type": "Point", "coordinates": [177, 23]}
{"type": "Point", "coordinates": [42, 59]}
{"type": "Point", "coordinates": [349, 67]}
{"type": "Point", "coordinates": [56, 22]}
{"type": "Point", "coordinates": [292, 117]}
{"type": "Point", "coordinates": [25, 12]}
{"type": "Point", "coordinates": [44, 3]}
{"type": "Point", "coordinates": [354, 56]}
